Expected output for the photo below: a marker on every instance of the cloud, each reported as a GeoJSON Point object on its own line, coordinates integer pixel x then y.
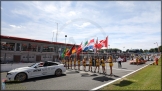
{"type": "Point", "coordinates": [130, 24]}
{"type": "Point", "coordinates": [83, 25]}
{"type": "Point", "coordinates": [14, 26]}
{"type": "Point", "coordinates": [71, 13]}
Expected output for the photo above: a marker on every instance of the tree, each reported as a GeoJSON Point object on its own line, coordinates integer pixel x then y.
{"type": "Point", "coordinates": [156, 49]}
{"type": "Point", "coordinates": [141, 50]}
{"type": "Point", "coordinates": [127, 50]}
{"type": "Point", "coordinates": [160, 48]}
{"type": "Point", "coordinates": [146, 51]}
{"type": "Point", "coordinates": [151, 50]}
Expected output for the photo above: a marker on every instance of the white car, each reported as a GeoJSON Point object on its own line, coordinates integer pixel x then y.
{"type": "Point", "coordinates": [36, 70]}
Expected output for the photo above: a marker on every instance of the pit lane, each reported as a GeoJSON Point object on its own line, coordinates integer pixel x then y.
{"type": "Point", "coordinates": [73, 80]}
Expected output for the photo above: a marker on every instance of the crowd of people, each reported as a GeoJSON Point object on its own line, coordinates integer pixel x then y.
{"type": "Point", "coordinates": [97, 62]}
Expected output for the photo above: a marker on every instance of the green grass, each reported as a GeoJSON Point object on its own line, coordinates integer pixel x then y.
{"type": "Point", "coordinates": [148, 78]}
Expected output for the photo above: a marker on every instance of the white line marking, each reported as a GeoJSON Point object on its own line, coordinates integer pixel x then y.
{"type": "Point", "coordinates": [118, 78]}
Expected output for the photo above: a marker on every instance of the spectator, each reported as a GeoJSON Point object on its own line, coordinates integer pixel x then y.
{"type": "Point", "coordinates": [119, 62]}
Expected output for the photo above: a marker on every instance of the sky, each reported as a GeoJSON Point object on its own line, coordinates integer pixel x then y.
{"type": "Point", "coordinates": [128, 24]}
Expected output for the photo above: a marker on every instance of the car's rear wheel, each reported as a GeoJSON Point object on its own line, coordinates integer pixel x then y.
{"type": "Point", "coordinates": [20, 77]}
{"type": "Point", "coordinates": [58, 72]}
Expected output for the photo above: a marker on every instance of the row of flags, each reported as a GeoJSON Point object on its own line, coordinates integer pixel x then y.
{"type": "Point", "coordinates": [87, 45]}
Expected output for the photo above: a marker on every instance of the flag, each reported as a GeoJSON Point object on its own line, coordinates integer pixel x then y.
{"type": "Point", "coordinates": [70, 51]}
{"type": "Point", "coordinates": [63, 53]}
{"type": "Point", "coordinates": [90, 42]}
{"type": "Point", "coordinates": [79, 48]}
{"type": "Point", "coordinates": [89, 45]}
{"type": "Point", "coordinates": [95, 45]}
{"type": "Point", "coordinates": [103, 43]}
{"type": "Point", "coordinates": [85, 44]}
{"type": "Point", "coordinates": [74, 50]}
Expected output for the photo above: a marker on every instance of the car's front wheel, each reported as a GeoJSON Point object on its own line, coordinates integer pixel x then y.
{"type": "Point", "coordinates": [20, 77]}
{"type": "Point", "coordinates": [58, 72]}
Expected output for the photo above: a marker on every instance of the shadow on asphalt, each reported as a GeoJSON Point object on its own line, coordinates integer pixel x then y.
{"type": "Point", "coordinates": [35, 79]}
{"type": "Point", "coordinates": [124, 83]}
{"type": "Point", "coordinates": [102, 78]}
{"type": "Point", "coordinates": [88, 75]}
{"type": "Point", "coordinates": [123, 68]}
{"type": "Point", "coordinates": [72, 72]}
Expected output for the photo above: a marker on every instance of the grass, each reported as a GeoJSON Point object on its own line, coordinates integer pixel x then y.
{"type": "Point", "coordinates": [148, 78]}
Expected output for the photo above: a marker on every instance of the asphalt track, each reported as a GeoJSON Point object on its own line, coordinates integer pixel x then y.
{"type": "Point", "coordinates": [74, 80]}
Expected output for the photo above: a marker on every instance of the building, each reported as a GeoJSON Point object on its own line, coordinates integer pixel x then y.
{"type": "Point", "coordinates": [18, 49]}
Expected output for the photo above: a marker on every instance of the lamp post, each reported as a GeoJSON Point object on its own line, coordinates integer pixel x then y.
{"type": "Point", "coordinates": [65, 47]}
{"type": "Point", "coordinates": [57, 32]}
{"type": "Point", "coordinates": [123, 49]}
{"type": "Point", "coordinates": [157, 46]}
{"type": "Point", "coordinates": [52, 36]}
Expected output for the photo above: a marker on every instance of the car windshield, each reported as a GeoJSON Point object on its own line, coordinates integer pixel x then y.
{"type": "Point", "coordinates": [33, 65]}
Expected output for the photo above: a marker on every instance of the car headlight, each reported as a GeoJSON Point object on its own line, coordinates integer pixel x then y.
{"type": "Point", "coordinates": [9, 74]}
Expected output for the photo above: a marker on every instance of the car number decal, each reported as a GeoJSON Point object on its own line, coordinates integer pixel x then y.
{"type": "Point", "coordinates": [36, 70]}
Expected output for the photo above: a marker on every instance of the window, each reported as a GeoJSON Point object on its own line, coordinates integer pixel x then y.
{"type": "Point", "coordinates": [52, 64]}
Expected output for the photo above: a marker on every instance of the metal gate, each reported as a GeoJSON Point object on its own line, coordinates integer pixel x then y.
{"type": "Point", "coordinates": [17, 58]}
{"type": "Point", "coordinates": [38, 58]}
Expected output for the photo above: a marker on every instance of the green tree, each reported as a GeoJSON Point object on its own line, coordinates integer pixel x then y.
{"type": "Point", "coordinates": [141, 50]}
{"type": "Point", "coordinates": [160, 48]}
{"type": "Point", "coordinates": [151, 50]}
{"type": "Point", "coordinates": [127, 50]}
{"type": "Point", "coordinates": [156, 49]}
{"type": "Point", "coordinates": [146, 51]}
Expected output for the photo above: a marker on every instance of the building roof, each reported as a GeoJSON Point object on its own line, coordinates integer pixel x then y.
{"type": "Point", "coordinates": [33, 40]}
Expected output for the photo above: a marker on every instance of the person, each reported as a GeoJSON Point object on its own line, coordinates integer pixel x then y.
{"type": "Point", "coordinates": [41, 64]}
{"type": "Point", "coordinates": [65, 63]}
{"type": "Point", "coordinates": [84, 64]}
{"type": "Point", "coordinates": [71, 62]}
{"type": "Point", "coordinates": [137, 59]}
{"type": "Point", "coordinates": [110, 61]}
{"type": "Point", "coordinates": [90, 64]}
{"type": "Point", "coordinates": [155, 60]}
{"type": "Point", "coordinates": [97, 65]}
{"type": "Point", "coordinates": [103, 65]}
{"type": "Point", "coordinates": [75, 63]}
{"type": "Point", "coordinates": [119, 62]}
{"type": "Point", "coordinates": [78, 64]}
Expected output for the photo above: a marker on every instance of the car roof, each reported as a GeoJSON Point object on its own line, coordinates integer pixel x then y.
{"type": "Point", "coordinates": [52, 62]}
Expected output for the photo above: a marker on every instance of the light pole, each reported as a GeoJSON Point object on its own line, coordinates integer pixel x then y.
{"type": "Point", "coordinates": [65, 50]}
{"type": "Point", "coordinates": [157, 46]}
{"type": "Point", "coordinates": [53, 36]}
{"type": "Point", "coordinates": [56, 32]}
{"type": "Point", "coordinates": [123, 49]}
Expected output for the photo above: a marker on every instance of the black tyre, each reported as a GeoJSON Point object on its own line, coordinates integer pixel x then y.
{"type": "Point", "coordinates": [58, 72]}
{"type": "Point", "coordinates": [20, 77]}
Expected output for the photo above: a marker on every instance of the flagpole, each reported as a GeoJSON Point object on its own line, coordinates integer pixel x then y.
{"type": "Point", "coordinates": [107, 55]}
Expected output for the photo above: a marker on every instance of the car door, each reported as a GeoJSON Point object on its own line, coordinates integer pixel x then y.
{"type": "Point", "coordinates": [51, 68]}
{"type": "Point", "coordinates": [36, 72]}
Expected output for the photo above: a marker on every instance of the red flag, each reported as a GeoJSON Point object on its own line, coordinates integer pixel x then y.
{"type": "Point", "coordinates": [91, 41]}
{"type": "Point", "coordinates": [79, 48]}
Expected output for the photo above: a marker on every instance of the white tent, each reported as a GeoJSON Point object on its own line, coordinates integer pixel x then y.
{"type": "Point", "coordinates": [104, 48]}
